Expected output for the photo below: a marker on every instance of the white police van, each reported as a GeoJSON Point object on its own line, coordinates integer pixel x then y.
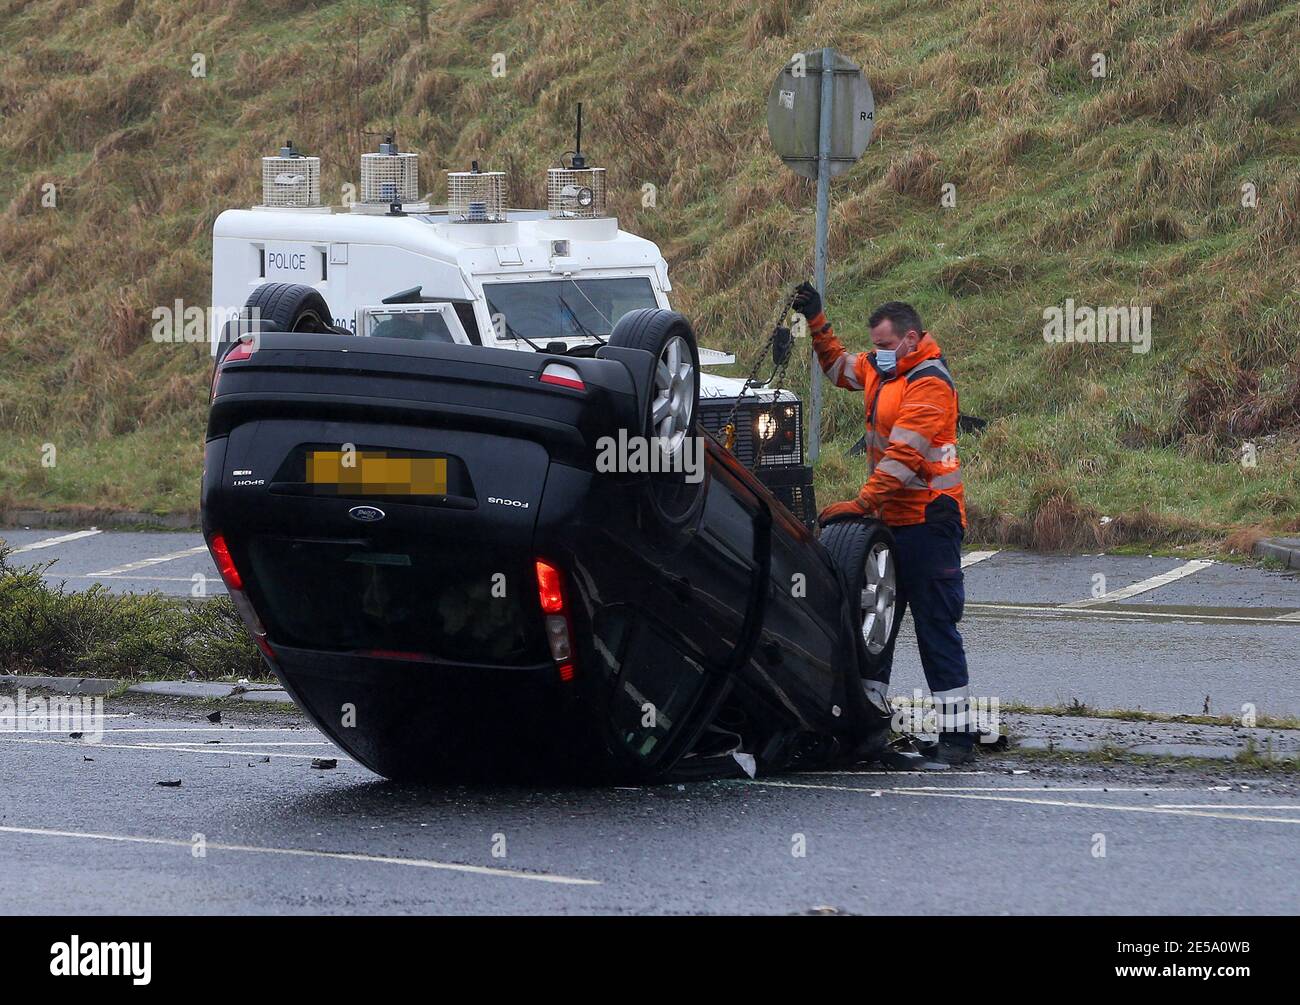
{"type": "Point", "coordinates": [476, 272]}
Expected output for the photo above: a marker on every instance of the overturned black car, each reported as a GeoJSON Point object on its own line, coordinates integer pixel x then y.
{"type": "Point", "coordinates": [440, 563]}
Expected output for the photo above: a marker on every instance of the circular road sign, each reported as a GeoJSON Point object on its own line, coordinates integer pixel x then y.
{"type": "Point", "coordinates": [794, 113]}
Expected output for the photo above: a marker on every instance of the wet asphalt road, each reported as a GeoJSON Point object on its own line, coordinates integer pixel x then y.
{"type": "Point", "coordinates": [85, 829]}
{"type": "Point", "coordinates": [99, 835]}
{"type": "Point", "coordinates": [1220, 632]}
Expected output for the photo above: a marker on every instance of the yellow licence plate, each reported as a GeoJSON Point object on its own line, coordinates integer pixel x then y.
{"type": "Point", "coordinates": [372, 472]}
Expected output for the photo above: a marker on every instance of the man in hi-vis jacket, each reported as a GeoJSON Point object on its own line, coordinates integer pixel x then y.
{"type": "Point", "coordinates": [914, 486]}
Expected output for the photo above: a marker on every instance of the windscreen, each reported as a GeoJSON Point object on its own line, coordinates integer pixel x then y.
{"type": "Point", "coordinates": [566, 308]}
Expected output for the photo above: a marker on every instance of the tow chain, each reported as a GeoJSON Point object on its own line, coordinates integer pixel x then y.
{"type": "Point", "coordinates": [728, 428]}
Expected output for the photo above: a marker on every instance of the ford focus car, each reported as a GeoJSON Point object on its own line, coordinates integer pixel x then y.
{"type": "Point", "coordinates": [464, 561]}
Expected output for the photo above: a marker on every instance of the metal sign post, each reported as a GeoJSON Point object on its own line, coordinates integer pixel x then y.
{"type": "Point", "coordinates": [820, 114]}
{"type": "Point", "coordinates": [823, 237]}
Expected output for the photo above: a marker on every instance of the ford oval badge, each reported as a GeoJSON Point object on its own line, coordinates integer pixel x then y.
{"type": "Point", "coordinates": [367, 514]}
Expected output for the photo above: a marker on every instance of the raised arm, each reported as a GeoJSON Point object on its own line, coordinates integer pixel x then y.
{"type": "Point", "coordinates": [845, 369]}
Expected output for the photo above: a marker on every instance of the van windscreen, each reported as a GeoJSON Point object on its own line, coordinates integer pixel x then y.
{"type": "Point", "coordinates": [566, 308]}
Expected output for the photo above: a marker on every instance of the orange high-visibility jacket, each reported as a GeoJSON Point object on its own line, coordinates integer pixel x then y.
{"type": "Point", "coordinates": [911, 428]}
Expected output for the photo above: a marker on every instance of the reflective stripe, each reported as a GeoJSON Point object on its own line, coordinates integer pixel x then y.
{"type": "Point", "coordinates": [929, 364]}
{"type": "Point", "coordinates": [902, 472]}
{"type": "Point", "coordinates": [901, 434]}
{"type": "Point", "coordinates": [943, 453]}
{"type": "Point", "coordinates": [840, 370]}
{"type": "Point", "coordinates": [948, 481]}
{"type": "Point", "coordinates": [952, 709]}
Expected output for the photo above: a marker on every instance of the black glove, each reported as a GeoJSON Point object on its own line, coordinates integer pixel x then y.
{"type": "Point", "coordinates": [807, 301]}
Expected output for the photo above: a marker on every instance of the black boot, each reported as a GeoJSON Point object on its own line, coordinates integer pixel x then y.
{"type": "Point", "coordinates": [954, 751]}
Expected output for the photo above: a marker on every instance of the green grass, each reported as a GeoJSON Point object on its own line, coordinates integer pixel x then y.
{"type": "Point", "coordinates": [137, 636]}
{"type": "Point", "coordinates": [1075, 708]}
{"type": "Point", "coordinates": [1108, 191]}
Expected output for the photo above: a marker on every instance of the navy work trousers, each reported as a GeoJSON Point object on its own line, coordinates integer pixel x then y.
{"type": "Point", "coordinates": [928, 563]}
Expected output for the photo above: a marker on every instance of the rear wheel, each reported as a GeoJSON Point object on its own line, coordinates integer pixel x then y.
{"type": "Point", "coordinates": [675, 495]}
{"type": "Point", "coordinates": [675, 397]}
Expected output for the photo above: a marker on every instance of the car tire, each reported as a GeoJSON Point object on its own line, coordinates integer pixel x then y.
{"type": "Point", "coordinates": [277, 307]}
{"type": "Point", "coordinates": [289, 307]}
{"type": "Point", "coordinates": [863, 551]}
{"type": "Point", "coordinates": [671, 416]}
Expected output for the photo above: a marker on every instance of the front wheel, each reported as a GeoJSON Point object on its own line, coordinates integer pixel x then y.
{"type": "Point", "coordinates": [863, 551]}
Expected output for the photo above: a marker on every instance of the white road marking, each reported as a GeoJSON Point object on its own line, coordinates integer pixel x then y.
{"type": "Point", "coordinates": [164, 748]}
{"type": "Point", "coordinates": [899, 774]}
{"type": "Point", "coordinates": [1070, 610]}
{"type": "Point", "coordinates": [1155, 582]}
{"type": "Point", "coordinates": [973, 557]}
{"type": "Point", "coordinates": [50, 542]}
{"type": "Point", "coordinates": [1226, 806]}
{"type": "Point", "coordinates": [1069, 804]}
{"type": "Point", "coordinates": [216, 582]}
{"type": "Point", "coordinates": [117, 570]}
{"type": "Point", "coordinates": [1034, 788]}
{"type": "Point", "coordinates": [190, 744]}
{"type": "Point", "coordinates": [1293, 616]}
{"type": "Point", "coordinates": [420, 863]}
{"type": "Point", "coordinates": [208, 729]}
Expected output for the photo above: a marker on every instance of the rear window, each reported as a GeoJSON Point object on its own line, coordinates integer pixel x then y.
{"type": "Point", "coordinates": [444, 603]}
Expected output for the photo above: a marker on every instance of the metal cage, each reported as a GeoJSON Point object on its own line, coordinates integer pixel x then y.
{"type": "Point", "coordinates": [290, 181]}
{"type": "Point", "coordinates": [387, 178]}
{"type": "Point", "coordinates": [575, 193]}
{"type": "Point", "coordinates": [476, 196]}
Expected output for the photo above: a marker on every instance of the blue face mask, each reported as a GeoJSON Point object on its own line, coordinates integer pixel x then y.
{"type": "Point", "coordinates": [886, 359]}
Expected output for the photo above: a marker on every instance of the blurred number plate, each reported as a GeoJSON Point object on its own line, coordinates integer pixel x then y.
{"type": "Point", "coordinates": [371, 472]}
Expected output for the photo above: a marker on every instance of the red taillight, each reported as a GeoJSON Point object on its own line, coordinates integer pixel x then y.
{"type": "Point", "coordinates": [243, 349]}
{"type": "Point", "coordinates": [225, 564]}
{"type": "Point", "coordinates": [562, 375]}
{"type": "Point", "coordinates": [550, 592]}
{"type": "Point", "coordinates": [550, 589]}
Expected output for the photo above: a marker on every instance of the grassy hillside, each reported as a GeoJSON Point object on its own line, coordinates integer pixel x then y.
{"type": "Point", "coordinates": [1125, 189]}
